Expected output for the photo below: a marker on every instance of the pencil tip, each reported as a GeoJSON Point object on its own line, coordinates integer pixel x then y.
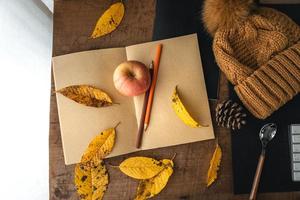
{"type": "Point", "coordinates": [145, 127]}
{"type": "Point", "coordinates": [151, 65]}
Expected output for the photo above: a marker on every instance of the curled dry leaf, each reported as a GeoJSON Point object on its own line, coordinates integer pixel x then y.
{"type": "Point", "coordinates": [141, 167]}
{"type": "Point", "coordinates": [214, 166]}
{"type": "Point", "coordinates": [99, 147]}
{"type": "Point", "coordinates": [151, 187]}
{"type": "Point", "coordinates": [87, 95]}
{"type": "Point", "coordinates": [109, 20]}
{"type": "Point", "coordinates": [91, 182]}
{"type": "Point", "coordinates": [181, 111]}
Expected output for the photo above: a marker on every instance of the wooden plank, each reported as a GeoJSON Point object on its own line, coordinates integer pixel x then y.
{"type": "Point", "coordinates": [73, 22]}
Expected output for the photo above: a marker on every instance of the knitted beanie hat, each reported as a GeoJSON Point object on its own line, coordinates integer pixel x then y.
{"type": "Point", "coordinates": [258, 49]}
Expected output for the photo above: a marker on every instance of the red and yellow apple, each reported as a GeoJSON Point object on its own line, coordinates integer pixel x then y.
{"type": "Point", "coordinates": [131, 78]}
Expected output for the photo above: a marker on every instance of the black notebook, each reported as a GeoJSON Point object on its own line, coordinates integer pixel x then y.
{"type": "Point", "coordinates": [176, 18]}
{"type": "Point", "coordinates": [276, 175]}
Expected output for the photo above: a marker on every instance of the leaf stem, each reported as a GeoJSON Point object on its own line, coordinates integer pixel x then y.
{"type": "Point", "coordinates": [114, 166]}
{"type": "Point", "coordinates": [117, 125]}
{"type": "Point", "coordinates": [174, 156]}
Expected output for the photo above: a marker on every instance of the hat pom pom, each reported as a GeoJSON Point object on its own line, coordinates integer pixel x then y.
{"type": "Point", "coordinates": [225, 13]}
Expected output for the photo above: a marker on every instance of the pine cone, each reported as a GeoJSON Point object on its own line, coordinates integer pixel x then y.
{"type": "Point", "coordinates": [230, 115]}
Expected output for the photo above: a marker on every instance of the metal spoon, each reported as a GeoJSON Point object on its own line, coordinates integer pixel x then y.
{"type": "Point", "coordinates": [266, 134]}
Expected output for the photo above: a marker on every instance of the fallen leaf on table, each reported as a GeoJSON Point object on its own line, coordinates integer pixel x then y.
{"type": "Point", "coordinates": [100, 146]}
{"type": "Point", "coordinates": [86, 95]}
{"type": "Point", "coordinates": [91, 182]}
{"type": "Point", "coordinates": [181, 111]}
{"type": "Point", "coordinates": [141, 167]}
{"type": "Point", "coordinates": [99, 181]}
{"type": "Point", "coordinates": [91, 177]}
{"type": "Point", "coordinates": [109, 20]}
{"type": "Point", "coordinates": [214, 166]}
{"type": "Point", "coordinates": [151, 187]}
{"type": "Point", "coordinates": [83, 181]}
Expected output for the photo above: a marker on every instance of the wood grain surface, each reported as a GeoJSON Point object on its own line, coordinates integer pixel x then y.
{"type": "Point", "coordinates": [74, 20]}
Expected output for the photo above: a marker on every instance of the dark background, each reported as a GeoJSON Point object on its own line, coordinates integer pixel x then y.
{"type": "Point", "coordinates": [175, 18]}
{"type": "Point", "coordinates": [276, 175]}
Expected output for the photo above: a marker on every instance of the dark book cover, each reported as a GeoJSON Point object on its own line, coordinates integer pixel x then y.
{"type": "Point", "coordinates": [177, 18]}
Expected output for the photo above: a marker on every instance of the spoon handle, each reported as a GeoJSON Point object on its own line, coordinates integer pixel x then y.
{"type": "Point", "coordinates": [257, 175]}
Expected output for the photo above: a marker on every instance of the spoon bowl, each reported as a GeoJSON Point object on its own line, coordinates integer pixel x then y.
{"type": "Point", "coordinates": [267, 133]}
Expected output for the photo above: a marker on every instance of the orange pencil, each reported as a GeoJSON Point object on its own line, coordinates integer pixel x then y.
{"type": "Point", "coordinates": [153, 84]}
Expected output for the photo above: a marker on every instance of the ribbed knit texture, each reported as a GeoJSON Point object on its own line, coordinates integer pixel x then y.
{"type": "Point", "coordinates": [262, 59]}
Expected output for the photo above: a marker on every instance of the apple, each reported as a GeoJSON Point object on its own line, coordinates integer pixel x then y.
{"type": "Point", "coordinates": [131, 78]}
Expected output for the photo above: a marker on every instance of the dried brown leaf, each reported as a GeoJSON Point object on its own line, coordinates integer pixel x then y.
{"type": "Point", "coordinates": [87, 95]}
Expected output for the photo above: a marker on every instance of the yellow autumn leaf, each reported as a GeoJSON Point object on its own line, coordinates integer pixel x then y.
{"type": "Point", "coordinates": [214, 166]}
{"type": "Point", "coordinates": [91, 182]}
{"type": "Point", "coordinates": [83, 180]}
{"type": "Point", "coordinates": [109, 20]}
{"type": "Point", "coordinates": [99, 147]}
{"type": "Point", "coordinates": [181, 111]}
{"type": "Point", "coordinates": [151, 187]}
{"type": "Point", "coordinates": [141, 167]}
{"type": "Point", "coordinates": [99, 181]}
{"type": "Point", "coordinates": [86, 95]}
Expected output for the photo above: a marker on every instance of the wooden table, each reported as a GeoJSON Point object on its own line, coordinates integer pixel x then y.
{"type": "Point", "coordinates": [73, 22]}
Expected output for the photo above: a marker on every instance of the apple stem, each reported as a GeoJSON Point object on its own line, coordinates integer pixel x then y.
{"type": "Point", "coordinates": [131, 74]}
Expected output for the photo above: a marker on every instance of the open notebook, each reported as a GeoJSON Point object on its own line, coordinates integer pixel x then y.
{"type": "Point", "coordinates": [180, 65]}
